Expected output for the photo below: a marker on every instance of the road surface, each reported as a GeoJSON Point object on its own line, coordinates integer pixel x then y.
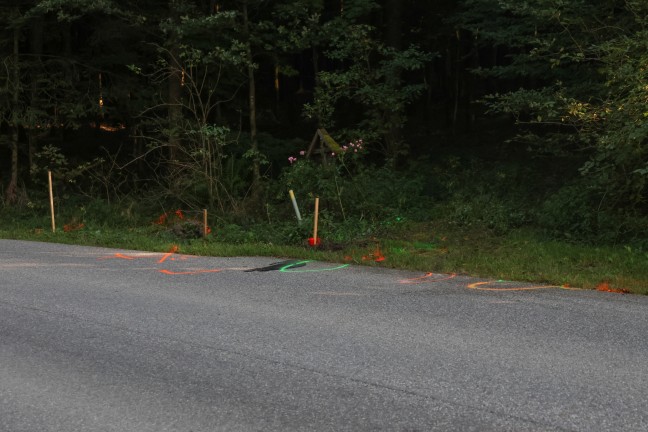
{"type": "Point", "coordinates": [95, 339]}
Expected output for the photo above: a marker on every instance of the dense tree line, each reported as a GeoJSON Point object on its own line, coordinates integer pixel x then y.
{"type": "Point", "coordinates": [203, 101]}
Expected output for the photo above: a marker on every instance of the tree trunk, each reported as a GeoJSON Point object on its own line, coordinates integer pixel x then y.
{"type": "Point", "coordinates": [37, 52]}
{"type": "Point", "coordinates": [11, 193]}
{"type": "Point", "coordinates": [316, 71]}
{"type": "Point", "coordinates": [394, 10]}
{"type": "Point", "coordinates": [254, 145]}
{"type": "Point", "coordinates": [457, 70]}
{"type": "Point", "coordinates": [174, 103]}
{"type": "Point", "coordinates": [174, 91]}
{"type": "Point", "coordinates": [394, 134]}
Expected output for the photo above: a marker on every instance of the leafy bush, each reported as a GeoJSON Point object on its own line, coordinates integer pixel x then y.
{"type": "Point", "coordinates": [350, 189]}
{"type": "Point", "coordinates": [575, 212]}
{"type": "Point", "coordinates": [488, 211]}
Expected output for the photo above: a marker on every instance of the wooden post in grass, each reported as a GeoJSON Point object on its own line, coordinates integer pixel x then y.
{"type": "Point", "coordinates": [51, 197]}
{"type": "Point", "coordinates": [205, 223]}
{"type": "Point", "coordinates": [315, 221]}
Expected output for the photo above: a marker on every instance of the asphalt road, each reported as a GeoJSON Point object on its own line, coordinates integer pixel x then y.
{"type": "Point", "coordinates": [96, 339]}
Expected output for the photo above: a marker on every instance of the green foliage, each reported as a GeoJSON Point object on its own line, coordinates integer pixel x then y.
{"type": "Point", "coordinates": [370, 79]}
{"type": "Point", "coordinates": [39, 93]}
{"type": "Point", "coordinates": [588, 62]}
{"type": "Point", "coordinates": [206, 55]}
{"type": "Point", "coordinates": [485, 211]}
{"type": "Point", "coordinates": [367, 75]}
{"type": "Point", "coordinates": [50, 158]}
{"type": "Point", "coordinates": [150, 98]}
{"type": "Point", "coordinates": [278, 233]}
{"type": "Point", "coordinates": [500, 202]}
{"type": "Point", "coordinates": [70, 10]}
{"type": "Point", "coordinates": [568, 214]}
{"type": "Point", "coordinates": [354, 193]}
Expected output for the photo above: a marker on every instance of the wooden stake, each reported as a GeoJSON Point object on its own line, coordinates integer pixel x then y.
{"type": "Point", "coordinates": [316, 219]}
{"type": "Point", "coordinates": [204, 222]}
{"type": "Point", "coordinates": [51, 197]}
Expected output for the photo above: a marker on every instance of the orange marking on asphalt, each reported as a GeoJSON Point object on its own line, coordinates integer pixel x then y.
{"type": "Point", "coordinates": [169, 272]}
{"type": "Point", "coordinates": [119, 256]}
{"type": "Point", "coordinates": [477, 286]}
{"type": "Point", "coordinates": [22, 265]}
{"type": "Point", "coordinates": [173, 250]}
{"type": "Point", "coordinates": [180, 258]}
{"type": "Point", "coordinates": [427, 278]}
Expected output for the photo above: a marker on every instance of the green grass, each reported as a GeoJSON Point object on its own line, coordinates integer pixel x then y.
{"type": "Point", "coordinates": [521, 255]}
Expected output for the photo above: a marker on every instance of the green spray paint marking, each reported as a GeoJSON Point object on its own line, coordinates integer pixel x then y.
{"type": "Point", "coordinates": [286, 269]}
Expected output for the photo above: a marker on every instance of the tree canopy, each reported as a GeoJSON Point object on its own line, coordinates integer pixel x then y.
{"type": "Point", "coordinates": [204, 101]}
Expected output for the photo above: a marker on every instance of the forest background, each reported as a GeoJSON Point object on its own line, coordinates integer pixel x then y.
{"type": "Point", "coordinates": [461, 134]}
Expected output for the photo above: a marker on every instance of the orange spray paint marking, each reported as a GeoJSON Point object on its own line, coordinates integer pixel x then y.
{"type": "Point", "coordinates": [73, 227]}
{"type": "Point", "coordinates": [478, 286]}
{"type": "Point", "coordinates": [377, 256]}
{"type": "Point", "coordinates": [427, 278]}
{"type": "Point", "coordinates": [164, 217]}
{"type": "Point", "coordinates": [166, 256]}
{"type": "Point", "coordinates": [161, 220]}
{"type": "Point", "coordinates": [605, 287]}
{"type": "Point", "coordinates": [118, 256]}
{"type": "Point", "coordinates": [169, 272]}
{"type": "Point", "coordinates": [179, 258]}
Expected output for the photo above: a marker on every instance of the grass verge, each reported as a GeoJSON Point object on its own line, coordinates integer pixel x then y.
{"type": "Point", "coordinates": [520, 255]}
